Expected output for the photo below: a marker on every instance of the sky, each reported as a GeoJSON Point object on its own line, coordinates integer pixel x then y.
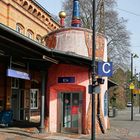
{"type": "Point", "coordinates": [52, 6]}
{"type": "Point", "coordinates": [128, 9]}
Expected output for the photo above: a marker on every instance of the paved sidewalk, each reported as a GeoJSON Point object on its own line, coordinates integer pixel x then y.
{"type": "Point", "coordinates": [122, 128]}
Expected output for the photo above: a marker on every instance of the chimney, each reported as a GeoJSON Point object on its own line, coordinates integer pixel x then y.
{"type": "Point", "coordinates": [76, 22]}
{"type": "Point", "coordinates": [62, 16]}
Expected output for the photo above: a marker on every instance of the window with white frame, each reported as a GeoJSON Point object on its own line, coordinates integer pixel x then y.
{"type": "Point", "coordinates": [34, 93]}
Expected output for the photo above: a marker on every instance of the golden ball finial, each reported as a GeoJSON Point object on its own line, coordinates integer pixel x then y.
{"type": "Point", "coordinates": [62, 14]}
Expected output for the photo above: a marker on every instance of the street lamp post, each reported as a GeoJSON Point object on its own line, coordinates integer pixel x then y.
{"type": "Point", "coordinates": [131, 89]}
{"type": "Point", "coordinates": [93, 122]}
{"type": "Point", "coordinates": [139, 87]}
{"type": "Point", "coordinates": [132, 101]}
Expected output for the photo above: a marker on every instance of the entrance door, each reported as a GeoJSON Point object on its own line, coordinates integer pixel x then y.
{"type": "Point", "coordinates": [16, 104]}
{"type": "Point", "coordinates": [71, 115]}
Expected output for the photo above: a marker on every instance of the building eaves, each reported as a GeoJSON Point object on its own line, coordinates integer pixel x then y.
{"type": "Point", "coordinates": [111, 83]}
{"type": "Point", "coordinates": [12, 34]}
{"type": "Point", "coordinates": [33, 46]}
{"type": "Point", "coordinates": [40, 6]}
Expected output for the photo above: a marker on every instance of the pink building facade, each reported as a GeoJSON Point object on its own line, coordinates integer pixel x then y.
{"type": "Point", "coordinates": [67, 101]}
{"type": "Point", "coordinates": [68, 104]}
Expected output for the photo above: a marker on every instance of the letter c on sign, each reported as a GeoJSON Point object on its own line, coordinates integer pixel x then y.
{"type": "Point", "coordinates": [106, 71]}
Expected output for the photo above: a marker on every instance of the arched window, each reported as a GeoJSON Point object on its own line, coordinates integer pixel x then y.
{"type": "Point", "coordinates": [38, 38]}
{"type": "Point", "coordinates": [20, 28]}
{"type": "Point", "coordinates": [30, 34]}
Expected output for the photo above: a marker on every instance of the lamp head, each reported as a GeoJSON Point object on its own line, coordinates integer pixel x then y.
{"type": "Point", "coordinates": [135, 56]}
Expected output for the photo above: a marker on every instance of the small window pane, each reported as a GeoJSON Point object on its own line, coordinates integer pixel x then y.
{"type": "Point", "coordinates": [18, 29]}
{"type": "Point", "coordinates": [34, 98]}
{"type": "Point", "coordinates": [38, 38]}
{"type": "Point", "coordinates": [29, 35]}
{"type": "Point", "coordinates": [15, 83]}
{"type": "Point", "coordinates": [75, 100]}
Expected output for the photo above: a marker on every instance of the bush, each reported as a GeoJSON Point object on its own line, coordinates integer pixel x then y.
{"type": "Point", "coordinates": [120, 104]}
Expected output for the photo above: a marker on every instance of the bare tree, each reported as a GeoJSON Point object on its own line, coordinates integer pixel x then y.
{"type": "Point", "coordinates": [115, 28]}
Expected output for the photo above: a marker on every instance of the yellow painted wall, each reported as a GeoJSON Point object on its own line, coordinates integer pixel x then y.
{"type": "Point", "coordinates": [12, 12]}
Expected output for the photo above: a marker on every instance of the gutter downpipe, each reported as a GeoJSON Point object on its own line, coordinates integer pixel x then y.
{"type": "Point", "coordinates": [98, 114]}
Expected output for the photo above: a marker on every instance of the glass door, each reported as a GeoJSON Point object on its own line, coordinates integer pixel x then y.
{"type": "Point", "coordinates": [71, 112]}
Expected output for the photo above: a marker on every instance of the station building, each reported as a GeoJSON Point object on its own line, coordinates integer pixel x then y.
{"type": "Point", "coordinates": [68, 88]}
{"type": "Point", "coordinates": [30, 20]}
{"type": "Point", "coordinates": [45, 70]}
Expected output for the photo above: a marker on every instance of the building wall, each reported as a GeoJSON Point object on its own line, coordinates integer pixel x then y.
{"type": "Point", "coordinates": [31, 16]}
{"type": "Point", "coordinates": [81, 75]}
{"type": "Point", "coordinates": [79, 41]}
{"type": "Point", "coordinates": [104, 87]}
{"type": "Point", "coordinates": [101, 46]}
{"type": "Point", "coordinates": [3, 13]}
{"type": "Point", "coordinates": [28, 14]}
{"type": "Point", "coordinates": [6, 89]}
{"type": "Point", "coordinates": [54, 88]}
{"type": "Point", "coordinates": [2, 86]}
{"type": "Point", "coordinates": [71, 40]}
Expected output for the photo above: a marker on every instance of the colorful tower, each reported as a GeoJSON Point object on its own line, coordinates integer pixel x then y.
{"type": "Point", "coordinates": [76, 22]}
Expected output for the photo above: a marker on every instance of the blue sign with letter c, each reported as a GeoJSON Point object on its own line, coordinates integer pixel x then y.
{"type": "Point", "coordinates": [105, 69]}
